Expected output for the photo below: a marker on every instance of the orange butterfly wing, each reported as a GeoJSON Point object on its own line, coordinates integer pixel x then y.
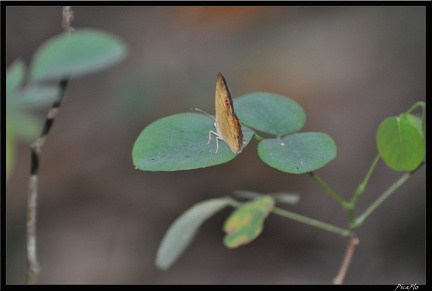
{"type": "Point", "coordinates": [227, 123]}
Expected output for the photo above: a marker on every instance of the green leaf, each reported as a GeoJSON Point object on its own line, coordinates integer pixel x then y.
{"type": "Point", "coordinates": [298, 153]}
{"type": "Point", "coordinates": [34, 96]}
{"type": "Point", "coordinates": [415, 121]}
{"type": "Point", "coordinates": [286, 198]}
{"type": "Point", "coordinates": [281, 197]}
{"type": "Point", "coordinates": [22, 124]}
{"type": "Point", "coordinates": [400, 144]}
{"type": "Point", "coordinates": [181, 233]}
{"type": "Point", "coordinates": [14, 77]}
{"type": "Point", "coordinates": [270, 113]}
{"type": "Point", "coordinates": [179, 142]}
{"type": "Point", "coordinates": [247, 221]}
{"type": "Point", "coordinates": [423, 123]}
{"type": "Point", "coordinates": [10, 152]}
{"type": "Point", "coordinates": [79, 53]}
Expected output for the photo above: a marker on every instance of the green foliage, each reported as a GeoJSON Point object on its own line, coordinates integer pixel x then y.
{"type": "Point", "coordinates": [20, 124]}
{"type": "Point", "coordinates": [298, 153]}
{"type": "Point", "coordinates": [62, 56]}
{"type": "Point", "coordinates": [10, 152]}
{"type": "Point", "coordinates": [70, 55]}
{"type": "Point", "coordinates": [270, 113]}
{"type": "Point", "coordinates": [14, 77]}
{"type": "Point", "coordinates": [280, 197]}
{"type": "Point", "coordinates": [401, 143]}
{"type": "Point", "coordinates": [179, 142]}
{"type": "Point", "coordinates": [247, 221]}
{"type": "Point", "coordinates": [183, 230]}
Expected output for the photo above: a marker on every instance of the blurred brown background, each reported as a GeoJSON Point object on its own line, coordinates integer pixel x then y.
{"type": "Point", "coordinates": [100, 220]}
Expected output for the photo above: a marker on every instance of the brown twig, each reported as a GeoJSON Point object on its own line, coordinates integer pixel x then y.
{"type": "Point", "coordinates": [67, 19]}
{"type": "Point", "coordinates": [35, 149]}
{"type": "Point", "coordinates": [353, 242]}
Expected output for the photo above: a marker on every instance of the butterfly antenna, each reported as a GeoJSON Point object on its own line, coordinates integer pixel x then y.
{"type": "Point", "coordinates": [202, 111]}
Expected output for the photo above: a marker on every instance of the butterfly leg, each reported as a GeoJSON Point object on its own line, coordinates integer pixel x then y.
{"type": "Point", "coordinates": [217, 137]}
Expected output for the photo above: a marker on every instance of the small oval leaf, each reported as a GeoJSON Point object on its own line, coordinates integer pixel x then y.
{"type": "Point", "coordinates": [247, 221]}
{"type": "Point", "coordinates": [270, 113]}
{"type": "Point", "coordinates": [79, 53]}
{"type": "Point", "coordinates": [181, 233]}
{"type": "Point", "coordinates": [298, 153]}
{"type": "Point", "coordinates": [400, 144]}
{"type": "Point", "coordinates": [179, 142]}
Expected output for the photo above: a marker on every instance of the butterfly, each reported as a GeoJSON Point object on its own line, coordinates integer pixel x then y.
{"type": "Point", "coordinates": [227, 124]}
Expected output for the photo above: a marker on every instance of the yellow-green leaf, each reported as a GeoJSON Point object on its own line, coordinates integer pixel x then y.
{"type": "Point", "coordinates": [247, 221]}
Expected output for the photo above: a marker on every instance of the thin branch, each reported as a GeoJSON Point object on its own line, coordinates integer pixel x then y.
{"type": "Point", "coordinates": [360, 189]}
{"type": "Point", "coordinates": [383, 197]}
{"type": "Point", "coordinates": [67, 19]}
{"type": "Point", "coordinates": [310, 221]}
{"type": "Point", "coordinates": [346, 262]}
{"type": "Point", "coordinates": [330, 190]}
{"type": "Point", "coordinates": [32, 263]}
{"type": "Point", "coordinates": [35, 150]}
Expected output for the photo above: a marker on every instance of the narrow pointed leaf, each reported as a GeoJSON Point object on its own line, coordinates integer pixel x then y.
{"type": "Point", "coordinates": [181, 233]}
{"type": "Point", "coordinates": [281, 197]}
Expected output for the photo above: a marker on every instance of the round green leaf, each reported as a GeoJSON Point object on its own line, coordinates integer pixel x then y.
{"type": "Point", "coordinates": [415, 121]}
{"type": "Point", "coordinates": [181, 233]}
{"type": "Point", "coordinates": [298, 153]}
{"type": "Point", "coordinates": [179, 142]}
{"type": "Point", "coordinates": [247, 221]}
{"type": "Point", "coordinates": [400, 144]}
{"type": "Point", "coordinates": [270, 113]}
{"type": "Point", "coordinates": [79, 53]}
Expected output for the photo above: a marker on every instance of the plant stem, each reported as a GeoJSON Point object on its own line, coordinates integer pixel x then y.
{"type": "Point", "coordinates": [417, 104]}
{"type": "Point", "coordinates": [346, 262]}
{"type": "Point", "coordinates": [35, 150]}
{"type": "Point", "coordinates": [258, 137]}
{"type": "Point", "coordinates": [68, 16]}
{"type": "Point", "coordinates": [329, 190]}
{"type": "Point", "coordinates": [311, 221]}
{"type": "Point", "coordinates": [382, 198]}
{"type": "Point", "coordinates": [32, 263]}
{"type": "Point", "coordinates": [360, 189]}
{"type": "Point", "coordinates": [362, 186]}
